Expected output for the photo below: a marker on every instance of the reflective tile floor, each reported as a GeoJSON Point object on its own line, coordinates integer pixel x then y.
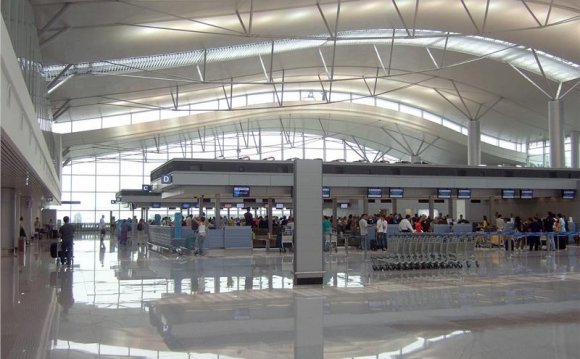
{"type": "Point", "coordinates": [130, 302]}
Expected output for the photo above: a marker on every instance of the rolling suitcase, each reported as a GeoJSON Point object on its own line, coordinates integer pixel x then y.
{"type": "Point", "coordinates": [54, 250]}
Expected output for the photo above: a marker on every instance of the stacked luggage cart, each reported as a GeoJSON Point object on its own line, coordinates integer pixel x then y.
{"type": "Point", "coordinates": [408, 251]}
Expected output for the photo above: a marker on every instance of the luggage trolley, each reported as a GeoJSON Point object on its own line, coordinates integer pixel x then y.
{"type": "Point", "coordinates": [287, 239]}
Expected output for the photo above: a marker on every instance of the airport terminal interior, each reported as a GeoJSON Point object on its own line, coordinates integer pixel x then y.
{"type": "Point", "coordinates": [305, 179]}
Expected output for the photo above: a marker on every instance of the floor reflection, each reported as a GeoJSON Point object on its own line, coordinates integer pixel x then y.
{"type": "Point", "coordinates": [133, 302]}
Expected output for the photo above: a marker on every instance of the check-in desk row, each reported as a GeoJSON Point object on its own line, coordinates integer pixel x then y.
{"type": "Point", "coordinates": [228, 237]}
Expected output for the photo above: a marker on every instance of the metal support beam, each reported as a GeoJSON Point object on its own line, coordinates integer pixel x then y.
{"type": "Point", "coordinates": [531, 81]}
{"type": "Point", "coordinates": [401, 18]}
{"type": "Point", "coordinates": [485, 16]}
{"type": "Point", "coordinates": [54, 83]}
{"type": "Point", "coordinates": [271, 62]}
{"type": "Point", "coordinates": [241, 22]}
{"type": "Point", "coordinates": [415, 16]}
{"type": "Point", "coordinates": [175, 98]}
{"type": "Point", "coordinates": [62, 109]}
{"type": "Point", "coordinates": [470, 16]}
{"type": "Point", "coordinates": [477, 116]}
{"type": "Point", "coordinates": [461, 98]}
{"type": "Point", "coordinates": [391, 52]}
{"type": "Point", "coordinates": [549, 12]}
{"type": "Point", "coordinates": [380, 60]}
{"type": "Point", "coordinates": [568, 91]}
{"type": "Point", "coordinates": [452, 104]}
{"type": "Point", "coordinates": [201, 139]}
{"type": "Point", "coordinates": [324, 19]}
{"type": "Point", "coordinates": [53, 37]}
{"type": "Point", "coordinates": [409, 151]}
{"type": "Point", "coordinates": [532, 13]}
{"type": "Point", "coordinates": [419, 153]}
{"type": "Point", "coordinates": [54, 18]}
{"type": "Point", "coordinates": [432, 58]}
{"type": "Point", "coordinates": [251, 17]}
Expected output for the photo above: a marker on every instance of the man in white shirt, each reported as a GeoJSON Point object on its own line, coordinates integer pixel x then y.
{"type": "Point", "coordinates": [405, 225]}
{"type": "Point", "coordinates": [499, 223]}
{"type": "Point", "coordinates": [363, 226]}
{"type": "Point", "coordinates": [382, 232]}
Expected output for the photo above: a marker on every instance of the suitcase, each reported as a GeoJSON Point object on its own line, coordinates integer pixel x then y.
{"type": "Point", "coordinates": [561, 242]}
{"type": "Point", "coordinates": [54, 250]}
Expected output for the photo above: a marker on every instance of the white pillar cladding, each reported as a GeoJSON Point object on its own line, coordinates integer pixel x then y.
{"type": "Point", "coordinates": [474, 143]}
{"type": "Point", "coordinates": [575, 146]}
{"type": "Point", "coordinates": [10, 217]}
{"type": "Point", "coordinates": [308, 222]}
{"type": "Point", "coordinates": [556, 131]}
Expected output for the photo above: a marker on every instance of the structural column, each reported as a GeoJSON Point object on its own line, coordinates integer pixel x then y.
{"type": "Point", "coordinates": [308, 223]}
{"type": "Point", "coordinates": [575, 144]}
{"type": "Point", "coordinates": [334, 213]}
{"type": "Point", "coordinates": [9, 215]}
{"type": "Point", "coordinates": [218, 214]}
{"type": "Point", "coordinates": [556, 130]}
{"type": "Point", "coordinates": [474, 143]}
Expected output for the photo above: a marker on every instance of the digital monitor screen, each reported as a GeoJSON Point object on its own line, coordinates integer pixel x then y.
{"type": "Point", "coordinates": [464, 193]}
{"type": "Point", "coordinates": [241, 191]}
{"type": "Point", "coordinates": [344, 205]}
{"type": "Point", "coordinates": [373, 192]}
{"type": "Point", "coordinates": [444, 193]}
{"type": "Point", "coordinates": [240, 205]}
{"type": "Point", "coordinates": [508, 193]}
{"type": "Point", "coordinates": [325, 192]}
{"type": "Point", "coordinates": [279, 205]}
{"type": "Point", "coordinates": [185, 205]}
{"type": "Point", "coordinates": [568, 194]}
{"type": "Point", "coordinates": [155, 205]}
{"type": "Point", "coordinates": [396, 192]}
{"type": "Point", "coordinates": [527, 194]}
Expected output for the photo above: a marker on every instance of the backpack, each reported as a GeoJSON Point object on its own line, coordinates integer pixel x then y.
{"type": "Point", "coordinates": [140, 226]}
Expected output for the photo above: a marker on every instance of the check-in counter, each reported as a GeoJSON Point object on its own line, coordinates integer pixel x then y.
{"type": "Point", "coordinates": [462, 228]}
{"type": "Point", "coordinates": [441, 228]}
{"type": "Point", "coordinates": [238, 237]}
{"type": "Point", "coordinates": [214, 238]}
{"type": "Point", "coordinates": [164, 236]}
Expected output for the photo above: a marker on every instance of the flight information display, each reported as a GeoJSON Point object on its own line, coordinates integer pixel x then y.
{"type": "Point", "coordinates": [464, 193]}
{"type": "Point", "coordinates": [443, 193]}
{"type": "Point", "coordinates": [241, 191]}
{"type": "Point", "coordinates": [396, 192]}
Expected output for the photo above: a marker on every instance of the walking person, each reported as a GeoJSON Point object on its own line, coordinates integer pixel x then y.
{"type": "Point", "coordinates": [66, 233]}
{"type": "Point", "coordinates": [102, 231]}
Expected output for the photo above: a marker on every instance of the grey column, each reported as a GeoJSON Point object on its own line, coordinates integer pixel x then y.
{"type": "Point", "coordinates": [394, 205]}
{"type": "Point", "coordinates": [9, 216]}
{"type": "Point", "coordinates": [334, 212]}
{"type": "Point", "coordinates": [575, 144]}
{"type": "Point", "coordinates": [431, 207]}
{"type": "Point", "coordinates": [556, 130]}
{"type": "Point", "coordinates": [474, 143]}
{"type": "Point", "coordinates": [218, 214]}
{"type": "Point", "coordinates": [365, 205]}
{"type": "Point", "coordinates": [308, 266]}
{"type": "Point", "coordinates": [269, 213]}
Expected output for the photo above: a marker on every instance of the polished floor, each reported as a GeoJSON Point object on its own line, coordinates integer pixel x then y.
{"type": "Point", "coordinates": [130, 302]}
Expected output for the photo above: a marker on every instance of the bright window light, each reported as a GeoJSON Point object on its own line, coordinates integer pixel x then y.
{"type": "Point", "coordinates": [452, 125]}
{"type": "Point", "coordinates": [411, 110]}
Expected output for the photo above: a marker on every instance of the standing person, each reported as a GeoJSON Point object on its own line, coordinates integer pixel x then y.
{"type": "Point", "coordinates": [66, 233]}
{"type": "Point", "coordinates": [37, 227]}
{"type": "Point", "coordinates": [382, 232]}
{"type": "Point", "coordinates": [23, 238]}
{"type": "Point", "coordinates": [102, 230]}
{"type": "Point", "coordinates": [326, 231]}
{"type": "Point", "coordinates": [201, 234]}
{"type": "Point", "coordinates": [248, 218]}
{"type": "Point", "coordinates": [124, 232]}
{"type": "Point", "coordinates": [140, 231]}
{"type": "Point", "coordinates": [405, 225]}
{"type": "Point", "coordinates": [535, 227]}
{"type": "Point", "coordinates": [419, 225]}
{"type": "Point", "coordinates": [364, 231]}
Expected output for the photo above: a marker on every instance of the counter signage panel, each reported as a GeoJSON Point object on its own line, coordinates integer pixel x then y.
{"type": "Point", "coordinates": [280, 205]}
{"type": "Point", "coordinates": [374, 192]}
{"type": "Point", "coordinates": [443, 193]}
{"type": "Point", "coordinates": [325, 192]}
{"type": "Point", "coordinates": [240, 205]}
{"type": "Point", "coordinates": [464, 193]}
{"type": "Point", "coordinates": [227, 205]}
{"type": "Point", "coordinates": [508, 194]}
{"type": "Point", "coordinates": [185, 205]}
{"type": "Point", "coordinates": [241, 191]}
{"type": "Point", "coordinates": [344, 205]}
{"type": "Point", "coordinates": [396, 192]}
{"type": "Point", "coordinates": [527, 194]}
{"type": "Point", "coordinates": [568, 194]}
{"type": "Point", "coordinates": [155, 205]}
